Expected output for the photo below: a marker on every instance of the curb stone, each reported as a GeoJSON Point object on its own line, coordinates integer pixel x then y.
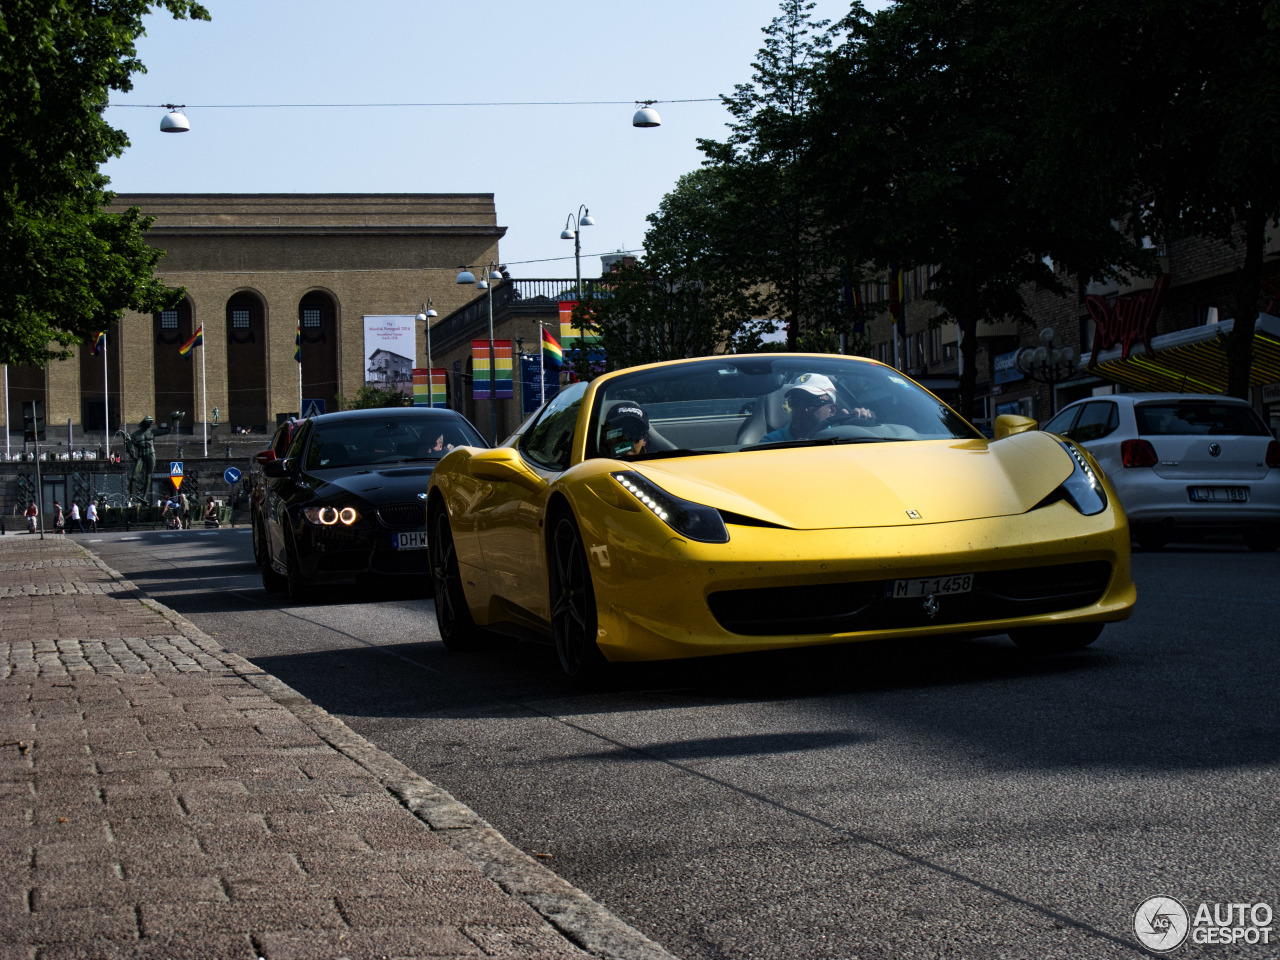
{"type": "Point", "coordinates": [569, 910]}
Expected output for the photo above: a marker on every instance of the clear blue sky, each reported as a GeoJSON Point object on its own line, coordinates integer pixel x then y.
{"type": "Point", "coordinates": [540, 162]}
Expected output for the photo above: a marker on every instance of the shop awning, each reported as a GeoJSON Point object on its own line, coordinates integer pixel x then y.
{"type": "Point", "coordinates": [1194, 360]}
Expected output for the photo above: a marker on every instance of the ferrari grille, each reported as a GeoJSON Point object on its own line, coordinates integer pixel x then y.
{"type": "Point", "coordinates": [863, 605]}
{"type": "Point", "coordinates": [403, 516]}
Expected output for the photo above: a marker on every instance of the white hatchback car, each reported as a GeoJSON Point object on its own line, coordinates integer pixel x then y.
{"type": "Point", "coordinates": [1182, 463]}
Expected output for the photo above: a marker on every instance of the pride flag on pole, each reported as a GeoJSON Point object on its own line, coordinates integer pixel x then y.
{"type": "Point", "coordinates": [429, 386]}
{"type": "Point", "coordinates": [197, 339]}
{"type": "Point", "coordinates": [552, 355]}
{"type": "Point", "coordinates": [297, 344]}
{"type": "Point", "coordinates": [100, 343]}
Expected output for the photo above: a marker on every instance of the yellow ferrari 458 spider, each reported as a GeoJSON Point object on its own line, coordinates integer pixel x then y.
{"type": "Point", "coordinates": [741, 503]}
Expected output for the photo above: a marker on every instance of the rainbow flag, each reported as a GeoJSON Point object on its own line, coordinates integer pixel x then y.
{"type": "Point", "coordinates": [572, 337]}
{"type": "Point", "coordinates": [100, 343]}
{"type": "Point", "coordinates": [480, 375]}
{"type": "Point", "coordinates": [297, 344]}
{"type": "Point", "coordinates": [552, 355]}
{"type": "Point", "coordinates": [895, 293]}
{"type": "Point", "coordinates": [197, 340]}
{"type": "Point", "coordinates": [429, 386]}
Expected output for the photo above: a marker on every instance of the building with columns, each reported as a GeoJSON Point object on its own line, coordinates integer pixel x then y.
{"type": "Point", "coordinates": [260, 271]}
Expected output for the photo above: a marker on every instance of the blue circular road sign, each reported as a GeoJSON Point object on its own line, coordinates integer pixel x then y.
{"type": "Point", "coordinates": [232, 475]}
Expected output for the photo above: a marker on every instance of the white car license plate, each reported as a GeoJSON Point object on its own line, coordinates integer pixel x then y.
{"type": "Point", "coordinates": [924, 586]}
{"type": "Point", "coordinates": [1215, 494]}
{"type": "Point", "coordinates": [410, 541]}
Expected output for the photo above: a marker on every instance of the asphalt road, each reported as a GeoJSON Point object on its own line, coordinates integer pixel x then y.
{"type": "Point", "coordinates": [929, 800]}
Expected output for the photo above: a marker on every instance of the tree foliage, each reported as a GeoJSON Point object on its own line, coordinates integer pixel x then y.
{"type": "Point", "coordinates": [70, 268]}
{"type": "Point", "coordinates": [370, 397]}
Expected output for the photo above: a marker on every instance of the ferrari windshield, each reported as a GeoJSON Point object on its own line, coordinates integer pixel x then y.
{"type": "Point", "coordinates": [733, 403]}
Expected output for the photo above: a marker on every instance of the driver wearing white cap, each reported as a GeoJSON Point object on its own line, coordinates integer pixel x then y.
{"type": "Point", "coordinates": [812, 401]}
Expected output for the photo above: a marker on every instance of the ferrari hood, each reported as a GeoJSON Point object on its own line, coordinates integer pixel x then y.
{"type": "Point", "coordinates": [872, 484]}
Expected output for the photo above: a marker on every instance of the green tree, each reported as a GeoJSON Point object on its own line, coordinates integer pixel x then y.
{"type": "Point", "coordinates": [70, 268]}
{"type": "Point", "coordinates": [368, 397]}
{"type": "Point", "coordinates": [777, 250]}
{"type": "Point", "coordinates": [1210, 164]}
{"type": "Point", "coordinates": [931, 148]}
{"type": "Point", "coordinates": [683, 299]}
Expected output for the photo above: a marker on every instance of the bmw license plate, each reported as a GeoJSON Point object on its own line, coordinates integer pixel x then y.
{"type": "Point", "coordinates": [926, 586]}
{"type": "Point", "coordinates": [409, 541]}
{"type": "Point", "coordinates": [1216, 494]}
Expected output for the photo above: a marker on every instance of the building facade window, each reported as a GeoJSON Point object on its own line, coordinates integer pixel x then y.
{"type": "Point", "coordinates": [168, 319]}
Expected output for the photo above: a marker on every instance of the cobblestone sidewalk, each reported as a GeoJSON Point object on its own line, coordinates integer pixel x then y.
{"type": "Point", "coordinates": [162, 797]}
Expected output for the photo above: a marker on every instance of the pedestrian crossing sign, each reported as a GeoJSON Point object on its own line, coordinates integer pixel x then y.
{"type": "Point", "coordinates": [175, 473]}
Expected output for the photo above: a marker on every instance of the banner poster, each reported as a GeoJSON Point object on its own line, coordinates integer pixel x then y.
{"type": "Point", "coordinates": [531, 395]}
{"type": "Point", "coordinates": [480, 369]}
{"type": "Point", "coordinates": [390, 344]}
{"type": "Point", "coordinates": [429, 387]}
{"type": "Point", "coordinates": [574, 340]}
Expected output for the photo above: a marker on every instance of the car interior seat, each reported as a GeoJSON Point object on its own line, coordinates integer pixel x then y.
{"type": "Point", "coordinates": [768, 413]}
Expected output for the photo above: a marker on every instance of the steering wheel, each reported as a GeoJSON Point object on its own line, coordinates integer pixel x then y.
{"type": "Point", "coordinates": [849, 419]}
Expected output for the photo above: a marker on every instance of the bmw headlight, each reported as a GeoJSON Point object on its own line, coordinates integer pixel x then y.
{"type": "Point", "coordinates": [1083, 488]}
{"type": "Point", "coordinates": [692, 520]}
{"type": "Point", "coordinates": [327, 516]}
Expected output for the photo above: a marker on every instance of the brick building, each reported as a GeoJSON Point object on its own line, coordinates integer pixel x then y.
{"type": "Point", "coordinates": [261, 270]}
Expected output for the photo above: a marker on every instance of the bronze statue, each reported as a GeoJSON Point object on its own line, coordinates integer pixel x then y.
{"type": "Point", "coordinates": [141, 446]}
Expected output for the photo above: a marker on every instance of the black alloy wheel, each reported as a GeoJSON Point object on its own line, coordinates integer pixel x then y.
{"type": "Point", "coordinates": [1057, 639]}
{"type": "Point", "coordinates": [457, 630]}
{"type": "Point", "coordinates": [573, 605]}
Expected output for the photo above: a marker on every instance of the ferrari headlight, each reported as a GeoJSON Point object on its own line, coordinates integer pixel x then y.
{"type": "Point", "coordinates": [1083, 488]}
{"type": "Point", "coordinates": [692, 520]}
{"type": "Point", "coordinates": [326, 516]}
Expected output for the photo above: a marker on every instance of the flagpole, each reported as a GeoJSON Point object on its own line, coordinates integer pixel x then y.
{"type": "Point", "coordinates": [204, 398]}
{"type": "Point", "coordinates": [106, 404]}
{"type": "Point", "coordinates": [542, 359]}
{"type": "Point", "coordinates": [7, 423]}
{"type": "Point", "coordinates": [299, 387]}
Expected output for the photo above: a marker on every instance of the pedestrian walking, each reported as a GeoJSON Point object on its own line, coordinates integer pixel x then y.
{"type": "Point", "coordinates": [91, 514]}
{"type": "Point", "coordinates": [184, 510]}
{"type": "Point", "coordinates": [59, 521]}
{"type": "Point", "coordinates": [75, 515]}
{"type": "Point", "coordinates": [31, 513]}
{"type": "Point", "coordinates": [211, 514]}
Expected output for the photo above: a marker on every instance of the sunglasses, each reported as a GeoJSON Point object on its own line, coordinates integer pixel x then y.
{"type": "Point", "coordinates": [807, 401]}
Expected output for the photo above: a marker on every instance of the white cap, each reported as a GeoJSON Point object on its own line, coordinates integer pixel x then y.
{"type": "Point", "coordinates": [816, 384]}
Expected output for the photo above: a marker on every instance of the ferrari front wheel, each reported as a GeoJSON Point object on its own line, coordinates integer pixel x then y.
{"type": "Point", "coordinates": [1056, 639]}
{"type": "Point", "coordinates": [457, 630]}
{"type": "Point", "coordinates": [573, 605]}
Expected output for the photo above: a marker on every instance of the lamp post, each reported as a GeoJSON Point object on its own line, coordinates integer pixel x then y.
{"type": "Point", "coordinates": [426, 316]}
{"type": "Point", "coordinates": [579, 220]}
{"type": "Point", "coordinates": [465, 276]}
{"type": "Point", "coordinates": [1049, 363]}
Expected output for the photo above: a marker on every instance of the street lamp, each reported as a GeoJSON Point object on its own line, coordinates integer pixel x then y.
{"type": "Point", "coordinates": [426, 316]}
{"type": "Point", "coordinates": [1049, 363]}
{"type": "Point", "coordinates": [465, 276]}
{"type": "Point", "coordinates": [645, 115]}
{"type": "Point", "coordinates": [582, 219]}
{"type": "Point", "coordinates": [175, 121]}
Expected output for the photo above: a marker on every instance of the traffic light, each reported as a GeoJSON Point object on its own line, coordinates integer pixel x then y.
{"type": "Point", "coordinates": [32, 420]}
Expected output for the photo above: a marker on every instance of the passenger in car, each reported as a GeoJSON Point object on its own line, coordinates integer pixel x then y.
{"type": "Point", "coordinates": [626, 431]}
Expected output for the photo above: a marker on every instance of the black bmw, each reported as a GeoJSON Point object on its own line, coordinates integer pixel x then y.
{"type": "Point", "coordinates": [347, 501]}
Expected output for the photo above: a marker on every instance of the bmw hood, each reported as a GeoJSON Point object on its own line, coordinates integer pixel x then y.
{"type": "Point", "coordinates": [392, 485]}
{"type": "Point", "coordinates": [872, 484]}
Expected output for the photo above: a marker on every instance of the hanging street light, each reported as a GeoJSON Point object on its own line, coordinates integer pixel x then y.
{"type": "Point", "coordinates": [645, 115]}
{"type": "Point", "coordinates": [175, 121]}
{"type": "Point", "coordinates": [465, 276]}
